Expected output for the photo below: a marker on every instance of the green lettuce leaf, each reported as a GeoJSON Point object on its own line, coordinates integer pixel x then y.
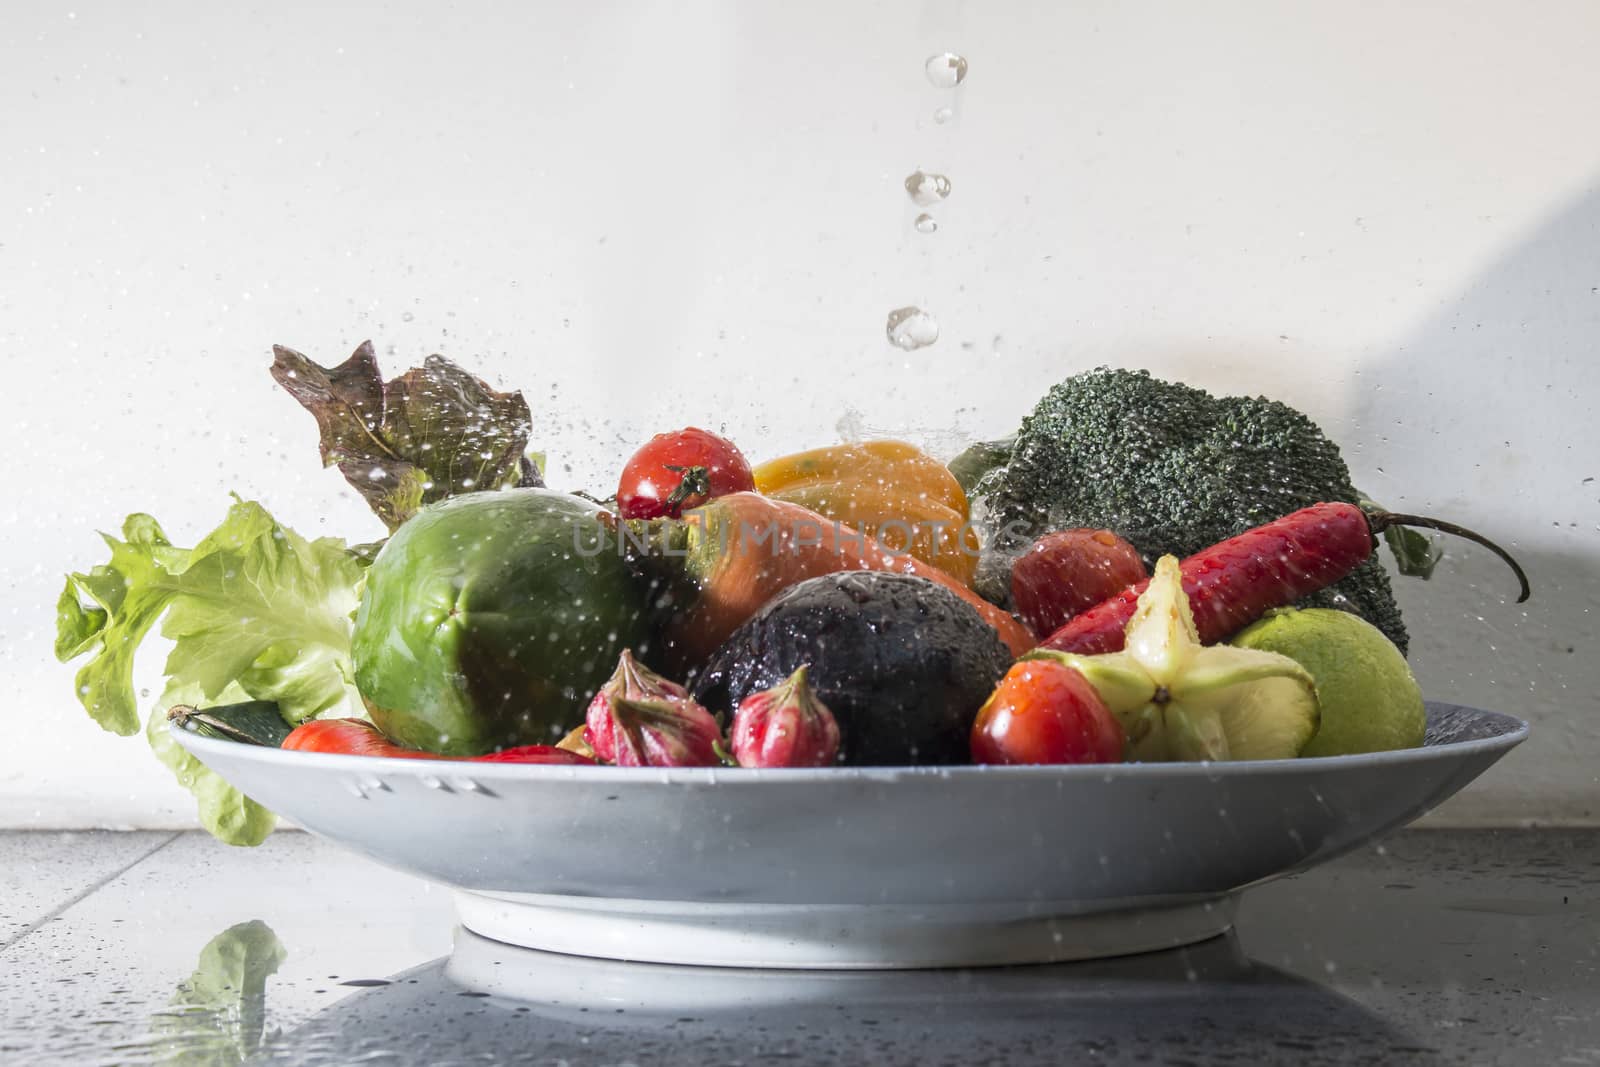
{"type": "Point", "coordinates": [218, 1016]}
{"type": "Point", "coordinates": [262, 606]}
{"type": "Point", "coordinates": [254, 611]}
{"type": "Point", "coordinates": [434, 432]}
{"type": "Point", "coordinates": [127, 596]}
{"type": "Point", "coordinates": [77, 627]}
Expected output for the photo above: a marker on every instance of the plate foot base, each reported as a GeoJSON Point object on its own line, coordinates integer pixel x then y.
{"type": "Point", "coordinates": [837, 938]}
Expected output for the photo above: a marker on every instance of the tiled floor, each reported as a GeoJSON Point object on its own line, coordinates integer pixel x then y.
{"type": "Point", "coordinates": [1441, 947]}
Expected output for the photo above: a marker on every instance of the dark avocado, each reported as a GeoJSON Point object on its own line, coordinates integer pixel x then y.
{"type": "Point", "coordinates": [903, 663]}
{"type": "Point", "coordinates": [489, 620]}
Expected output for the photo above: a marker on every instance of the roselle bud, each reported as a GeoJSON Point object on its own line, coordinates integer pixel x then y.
{"type": "Point", "coordinates": [663, 733]}
{"type": "Point", "coordinates": [785, 726]}
{"type": "Point", "coordinates": [632, 681]}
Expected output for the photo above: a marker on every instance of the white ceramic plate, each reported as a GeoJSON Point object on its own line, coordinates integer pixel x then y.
{"type": "Point", "coordinates": [861, 867]}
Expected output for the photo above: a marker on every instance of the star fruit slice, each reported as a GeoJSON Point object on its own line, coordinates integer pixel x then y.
{"type": "Point", "coordinates": [1181, 700]}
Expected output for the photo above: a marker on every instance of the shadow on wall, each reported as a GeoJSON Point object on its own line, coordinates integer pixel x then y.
{"type": "Point", "coordinates": [1503, 383]}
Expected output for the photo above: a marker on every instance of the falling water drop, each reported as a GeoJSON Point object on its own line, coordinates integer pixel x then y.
{"type": "Point", "coordinates": [925, 189]}
{"type": "Point", "coordinates": [926, 223]}
{"type": "Point", "coordinates": [946, 70]}
{"type": "Point", "coordinates": [910, 328]}
{"type": "Point", "coordinates": [944, 115]}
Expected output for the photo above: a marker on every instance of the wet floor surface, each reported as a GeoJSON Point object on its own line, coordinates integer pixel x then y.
{"type": "Point", "coordinates": [1436, 947]}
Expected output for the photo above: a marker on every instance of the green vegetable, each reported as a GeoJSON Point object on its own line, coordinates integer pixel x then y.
{"type": "Point", "coordinates": [218, 1016]}
{"type": "Point", "coordinates": [227, 814]}
{"type": "Point", "coordinates": [1173, 470]}
{"type": "Point", "coordinates": [434, 432]}
{"type": "Point", "coordinates": [979, 459]}
{"type": "Point", "coordinates": [252, 722]}
{"type": "Point", "coordinates": [255, 612]}
{"type": "Point", "coordinates": [489, 621]}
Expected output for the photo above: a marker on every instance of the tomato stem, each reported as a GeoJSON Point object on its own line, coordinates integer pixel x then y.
{"type": "Point", "coordinates": [696, 482]}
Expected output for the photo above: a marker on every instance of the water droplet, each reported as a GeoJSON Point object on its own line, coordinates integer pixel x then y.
{"type": "Point", "coordinates": [355, 790]}
{"type": "Point", "coordinates": [433, 783]}
{"type": "Point", "coordinates": [944, 115]}
{"type": "Point", "coordinates": [946, 70]}
{"type": "Point", "coordinates": [910, 328]}
{"type": "Point", "coordinates": [406, 316]}
{"type": "Point", "coordinates": [926, 223]}
{"type": "Point", "coordinates": [924, 188]}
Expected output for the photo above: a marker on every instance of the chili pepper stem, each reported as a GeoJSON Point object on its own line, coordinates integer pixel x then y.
{"type": "Point", "coordinates": [1379, 520]}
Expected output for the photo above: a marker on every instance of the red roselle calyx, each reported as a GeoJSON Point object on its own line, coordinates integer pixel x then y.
{"type": "Point", "coordinates": [785, 726]}
{"type": "Point", "coordinates": [631, 681]}
{"type": "Point", "coordinates": [663, 733]}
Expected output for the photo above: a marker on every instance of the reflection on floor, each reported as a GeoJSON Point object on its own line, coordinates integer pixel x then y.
{"type": "Point", "coordinates": [1440, 946]}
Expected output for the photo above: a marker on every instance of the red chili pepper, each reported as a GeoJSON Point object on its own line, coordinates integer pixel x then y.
{"type": "Point", "coordinates": [535, 754]}
{"type": "Point", "coordinates": [357, 737]}
{"type": "Point", "coordinates": [1235, 582]}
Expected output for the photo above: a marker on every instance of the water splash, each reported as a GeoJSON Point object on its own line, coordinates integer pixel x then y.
{"type": "Point", "coordinates": [911, 328]}
{"type": "Point", "coordinates": [926, 189]}
{"type": "Point", "coordinates": [946, 70]}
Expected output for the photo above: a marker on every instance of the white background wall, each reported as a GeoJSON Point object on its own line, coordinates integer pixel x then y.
{"type": "Point", "coordinates": [649, 215]}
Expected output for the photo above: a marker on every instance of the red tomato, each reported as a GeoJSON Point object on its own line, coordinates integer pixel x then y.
{"type": "Point", "coordinates": [348, 737]}
{"type": "Point", "coordinates": [1070, 571]}
{"type": "Point", "coordinates": [1046, 712]}
{"type": "Point", "coordinates": [676, 472]}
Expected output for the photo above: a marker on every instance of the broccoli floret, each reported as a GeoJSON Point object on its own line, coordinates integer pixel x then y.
{"type": "Point", "coordinates": [1170, 468]}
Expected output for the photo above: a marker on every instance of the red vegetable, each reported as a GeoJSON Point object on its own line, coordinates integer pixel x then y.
{"type": "Point", "coordinates": [785, 726]}
{"type": "Point", "coordinates": [1046, 712]}
{"type": "Point", "coordinates": [357, 737]}
{"type": "Point", "coordinates": [534, 754]}
{"type": "Point", "coordinates": [348, 737]}
{"type": "Point", "coordinates": [631, 680]}
{"type": "Point", "coordinates": [1070, 571]}
{"type": "Point", "coordinates": [676, 472]}
{"type": "Point", "coordinates": [663, 733]}
{"type": "Point", "coordinates": [1234, 582]}
{"type": "Point", "coordinates": [740, 551]}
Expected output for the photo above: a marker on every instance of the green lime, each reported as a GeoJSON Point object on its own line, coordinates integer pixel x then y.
{"type": "Point", "coordinates": [1370, 700]}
